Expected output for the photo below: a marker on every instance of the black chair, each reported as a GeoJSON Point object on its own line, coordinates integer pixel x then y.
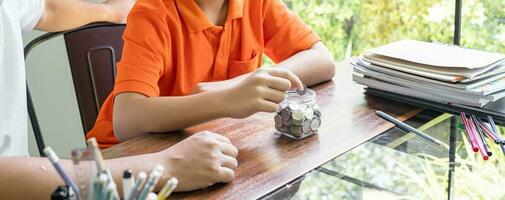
{"type": "Point", "coordinates": [92, 51]}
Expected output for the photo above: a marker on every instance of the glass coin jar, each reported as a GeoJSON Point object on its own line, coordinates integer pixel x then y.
{"type": "Point", "coordinates": [299, 116]}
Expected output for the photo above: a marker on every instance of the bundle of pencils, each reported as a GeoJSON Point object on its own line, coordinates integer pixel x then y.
{"type": "Point", "coordinates": [477, 131]}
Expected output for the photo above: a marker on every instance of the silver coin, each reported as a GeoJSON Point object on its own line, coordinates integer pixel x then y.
{"type": "Point", "coordinates": [309, 113]}
{"type": "Point", "coordinates": [306, 127]}
{"type": "Point", "coordinates": [315, 123]}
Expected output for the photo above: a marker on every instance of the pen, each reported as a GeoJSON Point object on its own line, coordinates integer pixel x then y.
{"type": "Point", "coordinates": [406, 127]}
{"type": "Point", "coordinates": [141, 178]}
{"type": "Point", "coordinates": [96, 152]}
{"type": "Point", "coordinates": [151, 182]}
{"type": "Point", "coordinates": [51, 155]}
{"type": "Point", "coordinates": [168, 188]}
{"type": "Point", "coordinates": [471, 136]}
{"type": "Point", "coordinates": [481, 136]}
{"type": "Point", "coordinates": [128, 183]}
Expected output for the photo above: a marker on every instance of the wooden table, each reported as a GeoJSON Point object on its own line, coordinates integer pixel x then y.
{"type": "Point", "coordinates": [267, 161]}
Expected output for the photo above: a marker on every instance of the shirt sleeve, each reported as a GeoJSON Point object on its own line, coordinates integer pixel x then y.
{"type": "Point", "coordinates": [28, 12]}
{"type": "Point", "coordinates": [144, 53]}
{"type": "Point", "coordinates": [285, 33]}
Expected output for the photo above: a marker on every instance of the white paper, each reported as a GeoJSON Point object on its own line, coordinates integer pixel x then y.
{"type": "Point", "coordinates": [438, 55]}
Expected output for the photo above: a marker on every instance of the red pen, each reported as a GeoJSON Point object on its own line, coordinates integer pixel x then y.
{"type": "Point", "coordinates": [471, 136]}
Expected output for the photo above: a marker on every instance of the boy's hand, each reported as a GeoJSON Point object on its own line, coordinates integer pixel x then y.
{"type": "Point", "coordinates": [262, 91]}
{"type": "Point", "coordinates": [200, 161]}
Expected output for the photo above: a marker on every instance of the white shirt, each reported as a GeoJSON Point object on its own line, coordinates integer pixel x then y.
{"type": "Point", "coordinates": [15, 16]}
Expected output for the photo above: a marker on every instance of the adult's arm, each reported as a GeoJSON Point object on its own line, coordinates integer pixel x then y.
{"type": "Point", "coordinates": [62, 15]}
{"type": "Point", "coordinates": [199, 161]}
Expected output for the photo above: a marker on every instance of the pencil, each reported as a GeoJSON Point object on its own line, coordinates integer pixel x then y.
{"type": "Point", "coordinates": [478, 137]}
{"type": "Point", "coordinates": [471, 136]}
{"type": "Point", "coordinates": [496, 132]}
{"type": "Point", "coordinates": [489, 133]}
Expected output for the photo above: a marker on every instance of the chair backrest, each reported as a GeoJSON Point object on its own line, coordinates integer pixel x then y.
{"type": "Point", "coordinates": [93, 51]}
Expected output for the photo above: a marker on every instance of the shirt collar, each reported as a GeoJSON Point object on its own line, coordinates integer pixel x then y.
{"type": "Point", "coordinates": [196, 20]}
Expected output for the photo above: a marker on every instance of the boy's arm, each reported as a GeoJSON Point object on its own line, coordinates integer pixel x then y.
{"type": "Point", "coordinates": [312, 66]}
{"type": "Point", "coordinates": [136, 115]}
{"type": "Point", "coordinates": [62, 15]}
{"type": "Point", "coordinates": [198, 161]}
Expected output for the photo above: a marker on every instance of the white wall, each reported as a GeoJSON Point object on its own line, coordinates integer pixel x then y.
{"type": "Point", "coordinates": [52, 89]}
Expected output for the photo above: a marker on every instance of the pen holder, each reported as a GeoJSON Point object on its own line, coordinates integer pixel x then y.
{"type": "Point", "coordinates": [299, 115]}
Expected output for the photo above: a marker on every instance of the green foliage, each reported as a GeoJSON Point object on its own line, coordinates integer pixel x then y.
{"type": "Point", "coordinates": [348, 27]}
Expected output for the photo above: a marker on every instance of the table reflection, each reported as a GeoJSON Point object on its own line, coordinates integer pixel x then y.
{"type": "Point", "coordinates": [399, 165]}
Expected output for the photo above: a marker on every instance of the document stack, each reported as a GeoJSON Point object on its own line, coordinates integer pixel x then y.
{"type": "Point", "coordinates": [434, 72]}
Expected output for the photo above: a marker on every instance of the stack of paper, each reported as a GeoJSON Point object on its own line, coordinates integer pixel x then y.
{"type": "Point", "coordinates": [435, 72]}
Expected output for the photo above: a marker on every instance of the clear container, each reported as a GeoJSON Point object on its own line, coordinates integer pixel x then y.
{"type": "Point", "coordinates": [299, 116]}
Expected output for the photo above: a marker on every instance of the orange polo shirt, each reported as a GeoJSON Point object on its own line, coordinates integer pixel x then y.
{"type": "Point", "coordinates": [170, 46]}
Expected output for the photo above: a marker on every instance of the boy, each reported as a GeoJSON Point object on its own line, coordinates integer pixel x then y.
{"type": "Point", "coordinates": [190, 61]}
{"type": "Point", "coordinates": [198, 161]}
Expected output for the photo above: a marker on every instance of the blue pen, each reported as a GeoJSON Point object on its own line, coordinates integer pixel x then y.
{"type": "Point", "coordinates": [55, 161]}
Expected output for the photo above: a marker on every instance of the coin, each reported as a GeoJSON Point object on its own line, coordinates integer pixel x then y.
{"type": "Point", "coordinates": [296, 131]}
{"type": "Point", "coordinates": [285, 114]}
{"type": "Point", "coordinates": [297, 115]}
{"type": "Point", "coordinates": [278, 120]}
{"type": "Point", "coordinates": [306, 127]}
{"type": "Point", "coordinates": [315, 123]}
{"type": "Point", "coordinates": [283, 129]}
{"type": "Point", "coordinates": [297, 122]}
{"type": "Point", "coordinates": [302, 92]}
{"type": "Point", "coordinates": [309, 113]}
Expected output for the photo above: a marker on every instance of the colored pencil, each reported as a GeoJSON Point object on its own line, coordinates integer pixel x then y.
{"type": "Point", "coordinates": [468, 128]}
